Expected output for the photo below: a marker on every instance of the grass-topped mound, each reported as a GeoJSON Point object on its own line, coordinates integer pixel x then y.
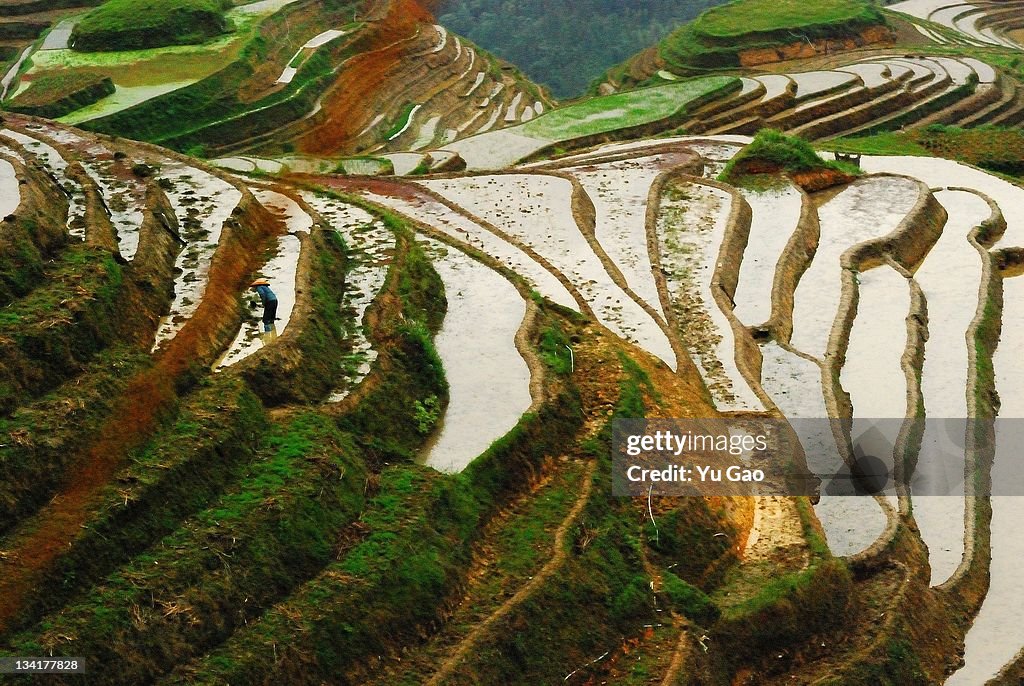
{"type": "Point", "coordinates": [772, 152]}
{"type": "Point", "coordinates": [137, 24]}
{"type": "Point", "coordinates": [57, 94]}
{"type": "Point", "coordinates": [742, 31]}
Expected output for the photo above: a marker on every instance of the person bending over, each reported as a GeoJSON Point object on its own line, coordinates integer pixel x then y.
{"type": "Point", "coordinates": [269, 300]}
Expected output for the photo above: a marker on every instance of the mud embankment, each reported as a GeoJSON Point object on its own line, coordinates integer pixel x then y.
{"type": "Point", "coordinates": [872, 35]}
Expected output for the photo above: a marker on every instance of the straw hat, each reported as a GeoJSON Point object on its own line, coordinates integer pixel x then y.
{"type": "Point", "coordinates": [260, 282]}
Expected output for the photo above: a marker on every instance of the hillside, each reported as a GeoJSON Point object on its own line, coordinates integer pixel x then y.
{"type": "Point", "coordinates": [422, 461]}
{"type": "Point", "coordinates": [280, 79]}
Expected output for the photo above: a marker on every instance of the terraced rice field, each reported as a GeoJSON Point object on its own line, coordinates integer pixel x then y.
{"type": "Point", "coordinates": [877, 93]}
{"type": "Point", "coordinates": [874, 360]}
{"type": "Point", "coordinates": [691, 230]}
{"type": "Point", "coordinates": [399, 482]}
{"type": "Point", "coordinates": [371, 247]}
{"type": "Point", "coordinates": [989, 646]}
{"type": "Point", "coordinates": [868, 210]}
{"type": "Point", "coordinates": [203, 204]}
{"type": "Point", "coordinates": [518, 204]}
{"type": "Point", "coordinates": [281, 271]}
{"type": "Point", "coordinates": [55, 164]}
{"type": "Point", "coordinates": [620, 191]}
{"type": "Point", "coordinates": [488, 380]}
{"type": "Point", "coordinates": [951, 279]}
{"type": "Point", "coordinates": [440, 217]}
{"type": "Point", "coordinates": [592, 118]}
{"type": "Point", "coordinates": [840, 98]}
{"type": "Point", "coordinates": [775, 215]}
{"type": "Point", "coordinates": [981, 24]}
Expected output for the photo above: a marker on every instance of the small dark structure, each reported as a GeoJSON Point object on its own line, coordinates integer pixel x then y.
{"type": "Point", "coordinates": [852, 158]}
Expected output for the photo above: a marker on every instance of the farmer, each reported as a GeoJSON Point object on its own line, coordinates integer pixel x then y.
{"type": "Point", "coordinates": [262, 288]}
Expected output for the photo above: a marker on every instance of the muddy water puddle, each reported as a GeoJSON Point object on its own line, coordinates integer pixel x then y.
{"type": "Point", "coordinates": [489, 382]}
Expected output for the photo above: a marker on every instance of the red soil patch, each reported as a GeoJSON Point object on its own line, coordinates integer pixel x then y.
{"type": "Point", "coordinates": [355, 185]}
{"type": "Point", "coordinates": [347, 104]}
{"type": "Point", "coordinates": [823, 46]}
{"type": "Point", "coordinates": [149, 396]}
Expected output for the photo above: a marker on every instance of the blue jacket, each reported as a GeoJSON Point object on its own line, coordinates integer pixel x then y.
{"type": "Point", "coordinates": [266, 295]}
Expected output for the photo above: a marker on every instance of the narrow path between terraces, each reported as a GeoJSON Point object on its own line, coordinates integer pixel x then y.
{"type": "Point", "coordinates": [558, 558]}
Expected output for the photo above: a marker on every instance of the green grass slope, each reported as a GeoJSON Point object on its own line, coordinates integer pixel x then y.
{"type": "Point", "coordinates": [717, 37]}
{"type": "Point", "coordinates": [624, 110]}
{"type": "Point", "coordinates": [138, 24]}
{"type": "Point", "coordinates": [55, 95]}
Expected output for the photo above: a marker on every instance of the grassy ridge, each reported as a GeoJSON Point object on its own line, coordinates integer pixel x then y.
{"type": "Point", "coordinates": [47, 431]}
{"type": "Point", "coordinates": [751, 17]}
{"type": "Point", "coordinates": [717, 37]}
{"type": "Point", "coordinates": [26, 244]}
{"type": "Point", "coordinates": [55, 329]}
{"type": "Point", "coordinates": [772, 152]}
{"type": "Point", "coordinates": [22, 30]}
{"type": "Point", "coordinates": [996, 149]}
{"type": "Point", "coordinates": [137, 24]}
{"type": "Point", "coordinates": [419, 530]}
{"type": "Point", "coordinates": [55, 95]}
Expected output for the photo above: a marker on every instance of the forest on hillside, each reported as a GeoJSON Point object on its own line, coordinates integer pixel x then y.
{"type": "Point", "coordinates": [566, 45]}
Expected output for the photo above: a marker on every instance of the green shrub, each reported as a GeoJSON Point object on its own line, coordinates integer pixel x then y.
{"type": "Point", "coordinates": [783, 153]}
{"type": "Point", "coordinates": [554, 350]}
{"type": "Point", "coordinates": [689, 600]}
{"type": "Point", "coordinates": [632, 601]}
{"type": "Point", "coordinates": [426, 413]}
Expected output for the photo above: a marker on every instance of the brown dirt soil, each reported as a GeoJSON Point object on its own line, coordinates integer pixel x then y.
{"type": "Point", "coordinates": [872, 35]}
